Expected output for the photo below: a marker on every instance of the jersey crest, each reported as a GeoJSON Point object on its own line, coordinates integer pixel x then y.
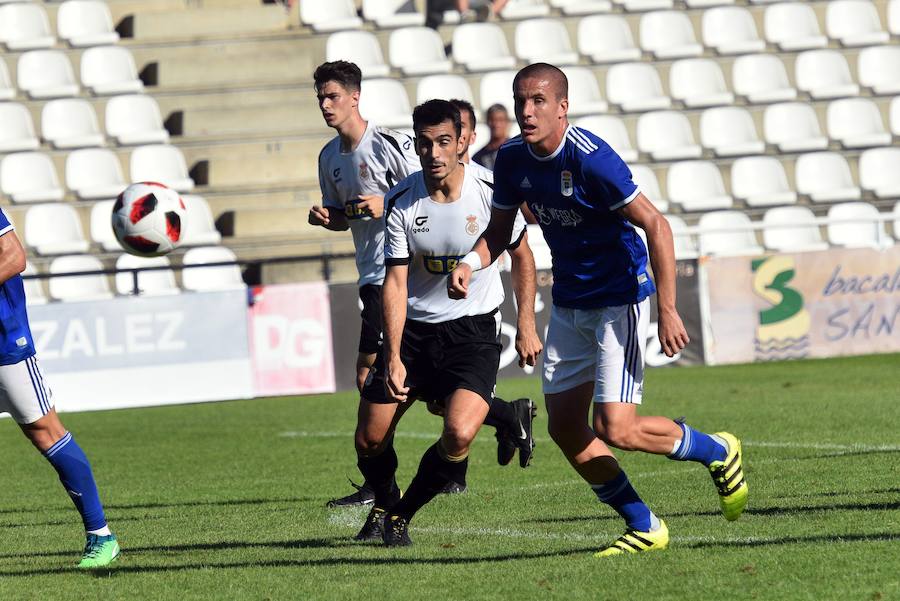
{"type": "Point", "coordinates": [472, 225]}
{"type": "Point", "coordinates": [566, 183]}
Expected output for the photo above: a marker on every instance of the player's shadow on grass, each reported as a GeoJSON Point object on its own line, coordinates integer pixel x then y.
{"type": "Point", "coordinates": [840, 493]}
{"type": "Point", "coordinates": [842, 454]}
{"type": "Point", "coordinates": [64, 523]}
{"type": "Point", "coordinates": [793, 540]}
{"type": "Point", "coordinates": [208, 503]}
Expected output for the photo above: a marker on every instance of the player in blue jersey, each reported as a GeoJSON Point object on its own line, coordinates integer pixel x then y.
{"type": "Point", "coordinates": [27, 398]}
{"type": "Point", "coordinates": [588, 207]}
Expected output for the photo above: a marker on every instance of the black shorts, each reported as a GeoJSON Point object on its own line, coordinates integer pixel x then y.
{"type": "Point", "coordinates": [370, 332]}
{"type": "Point", "coordinates": [441, 358]}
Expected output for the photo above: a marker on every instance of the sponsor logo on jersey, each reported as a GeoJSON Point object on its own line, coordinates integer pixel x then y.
{"type": "Point", "coordinates": [441, 265]}
{"type": "Point", "coordinates": [548, 215]}
{"type": "Point", "coordinates": [421, 226]}
{"type": "Point", "coordinates": [336, 174]}
{"type": "Point", "coordinates": [566, 184]}
{"type": "Point", "coordinates": [352, 210]}
{"type": "Point", "coordinates": [472, 225]}
{"type": "Point", "coordinates": [363, 171]}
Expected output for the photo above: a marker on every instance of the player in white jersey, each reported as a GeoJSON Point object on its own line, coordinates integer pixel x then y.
{"type": "Point", "coordinates": [435, 349]}
{"type": "Point", "coordinates": [27, 398]}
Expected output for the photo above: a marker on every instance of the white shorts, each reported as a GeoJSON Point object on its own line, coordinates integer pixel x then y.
{"type": "Point", "coordinates": [605, 346]}
{"type": "Point", "coordinates": [23, 393]}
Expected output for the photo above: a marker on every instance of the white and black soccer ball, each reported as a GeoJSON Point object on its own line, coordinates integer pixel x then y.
{"type": "Point", "coordinates": [149, 219]}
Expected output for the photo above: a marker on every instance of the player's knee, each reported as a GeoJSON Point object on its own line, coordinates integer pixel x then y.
{"type": "Point", "coordinates": [368, 444]}
{"type": "Point", "coordinates": [621, 436]}
{"type": "Point", "coordinates": [457, 438]}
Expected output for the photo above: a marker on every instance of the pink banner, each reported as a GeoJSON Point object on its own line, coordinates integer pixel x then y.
{"type": "Point", "coordinates": [290, 340]}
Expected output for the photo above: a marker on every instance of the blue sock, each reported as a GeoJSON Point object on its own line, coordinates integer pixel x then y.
{"type": "Point", "coordinates": [74, 471]}
{"type": "Point", "coordinates": [621, 496]}
{"type": "Point", "coordinates": [697, 446]}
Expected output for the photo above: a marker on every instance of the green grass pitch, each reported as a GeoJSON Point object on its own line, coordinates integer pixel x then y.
{"type": "Point", "coordinates": [226, 501]}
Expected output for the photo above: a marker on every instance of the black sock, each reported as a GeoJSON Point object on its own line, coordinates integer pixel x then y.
{"type": "Point", "coordinates": [500, 414]}
{"type": "Point", "coordinates": [433, 475]}
{"type": "Point", "coordinates": [379, 472]}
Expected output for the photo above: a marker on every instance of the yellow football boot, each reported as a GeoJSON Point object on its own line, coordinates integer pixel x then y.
{"type": "Point", "coordinates": [728, 477]}
{"type": "Point", "coordinates": [634, 541]}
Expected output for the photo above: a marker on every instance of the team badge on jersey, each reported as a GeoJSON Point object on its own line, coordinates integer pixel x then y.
{"type": "Point", "coordinates": [566, 184]}
{"type": "Point", "coordinates": [363, 171]}
{"type": "Point", "coordinates": [472, 225]}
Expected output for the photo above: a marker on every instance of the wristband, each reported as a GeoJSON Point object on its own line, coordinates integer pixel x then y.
{"type": "Point", "coordinates": [473, 260]}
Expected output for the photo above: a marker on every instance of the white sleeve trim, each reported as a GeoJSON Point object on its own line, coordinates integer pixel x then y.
{"type": "Point", "coordinates": [497, 205]}
{"type": "Point", "coordinates": [627, 200]}
{"type": "Point", "coordinates": [8, 228]}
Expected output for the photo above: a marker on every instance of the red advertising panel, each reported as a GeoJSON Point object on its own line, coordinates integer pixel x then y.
{"type": "Point", "coordinates": [290, 339]}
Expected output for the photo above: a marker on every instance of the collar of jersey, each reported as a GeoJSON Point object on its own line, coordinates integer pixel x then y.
{"type": "Point", "coordinates": [556, 152]}
{"type": "Point", "coordinates": [369, 128]}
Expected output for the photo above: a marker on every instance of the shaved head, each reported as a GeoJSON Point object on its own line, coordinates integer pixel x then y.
{"type": "Point", "coordinates": [557, 80]}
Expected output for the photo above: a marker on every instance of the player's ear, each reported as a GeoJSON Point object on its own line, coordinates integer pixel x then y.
{"type": "Point", "coordinates": [563, 107]}
{"type": "Point", "coordinates": [355, 96]}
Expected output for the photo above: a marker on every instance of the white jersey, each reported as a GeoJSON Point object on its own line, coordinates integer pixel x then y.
{"type": "Point", "coordinates": [431, 237]}
{"type": "Point", "coordinates": [382, 158]}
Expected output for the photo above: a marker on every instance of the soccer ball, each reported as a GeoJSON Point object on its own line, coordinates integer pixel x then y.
{"type": "Point", "coordinates": [149, 219]}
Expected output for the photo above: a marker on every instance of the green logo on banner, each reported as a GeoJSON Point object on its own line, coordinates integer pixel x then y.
{"type": "Point", "coordinates": [783, 330]}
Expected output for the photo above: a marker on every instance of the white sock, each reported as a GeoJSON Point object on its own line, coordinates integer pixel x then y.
{"type": "Point", "coordinates": [654, 522]}
{"type": "Point", "coordinates": [105, 531]}
{"type": "Point", "coordinates": [676, 446]}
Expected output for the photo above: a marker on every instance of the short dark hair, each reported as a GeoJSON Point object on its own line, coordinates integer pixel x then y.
{"type": "Point", "coordinates": [496, 108]}
{"type": "Point", "coordinates": [465, 106]}
{"type": "Point", "coordinates": [434, 112]}
{"type": "Point", "coordinates": [343, 72]}
{"type": "Point", "coordinates": [554, 75]}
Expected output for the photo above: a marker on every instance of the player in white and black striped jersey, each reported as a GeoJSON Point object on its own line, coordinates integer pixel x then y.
{"type": "Point", "coordinates": [436, 349]}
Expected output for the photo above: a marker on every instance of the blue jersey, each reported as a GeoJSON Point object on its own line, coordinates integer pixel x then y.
{"type": "Point", "coordinates": [598, 258]}
{"type": "Point", "coordinates": [16, 343]}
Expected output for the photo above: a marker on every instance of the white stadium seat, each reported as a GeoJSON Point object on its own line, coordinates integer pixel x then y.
{"type": "Point", "coordinates": [101, 226]}
{"type": "Point", "coordinates": [856, 123]}
{"type": "Point", "coordinates": [156, 282]}
{"type": "Point", "coordinates": [7, 89]}
{"type": "Point", "coordinates": [107, 70]}
{"type": "Point", "coordinates": [697, 186]}
{"type": "Point", "coordinates": [360, 47]}
{"type": "Point", "coordinates": [733, 243]}
{"type": "Point", "coordinates": [855, 226]}
{"type": "Point", "coordinates": [524, 9]}
{"type": "Point", "coordinates": [824, 74]}
{"type": "Point", "coordinates": [761, 182]}
{"type": "Point", "coordinates": [384, 102]}
{"type": "Point", "coordinates": [444, 86]}
{"type": "Point", "coordinates": [29, 177]}
{"type": "Point", "coordinates": [496, 88]}
{"type": "Point", "coordinates": [685, 246]}
{"type": "Point", "coordinates": [894, 112]}
{"type": "Point", "coordinates": [46, 74]}
{"type": "Point", "coordinates": [161, 163]}
{"type": "Point", "coordinates": [201, 228]}
{"type": "Point", "coordinates": [635, 87]}
{"type": "Point", "coordinates": [94, 173]}
{"type": "Point", "coordinates": [793, 127]}
{"type": "Point", "coordinates": [793, 26]}
{"type": "Point", "coordinates": [612, 131]}
{"type": "Point", "coordinates": [584, 92]}
{"type": "Point", "coordinates": [893, 11]}
{"type": "Point", "coordinates": [481, 47]}
{"type": "Point", "coordinates": [34, 288]}
{"type": "Point", "coordinates": [699, 82]}
{"type": "Point", "coordinates": [85, 23]}
{"type": "Point", "coordinates": [825, 177]}
{"type": "Point", "coordinates": [24, 26]}
{"type": "Point", "coordinates": [854, 23]}
{"type": "Point", "coordinates": [78, 287]}
{"type": "Point", "coordinates": [666, 136]}
{"type": "Point", "coordinates": [582, 7]}
{"type": "Point", "coordinates": [333, 15]}
{"type": "Point", "coordinates": [634, 6]}
{"type": "Point", "coordinates": [878, 172]}
{"type": "Point", "coordinates": [418, 51]}
{"type": "Point", "coordinates": [544, 40]}
{"type": "Point", "coordinates": [70, 123]}
{"type": "Point", "coordinates": [668, 34]}
{"type": "Point", "coordinates": [606, 39]}
{"type": "Point", "coordinates": [896, 224]}
{"type": "Point", "coordinates": [54, 229]}
{"type": "Point", "coordinates": [16, 129]}
{"type": "Point", "coordinates": [224, 277]}
{"type": "Point", "coordinates": [392, 13]}
{"type": "Point", "coordinates": [729, 131]}
{"type": "Point", "coordinates": [792, 229]}
{"type": "Point", "coordinates": [135, 119]}
{"type": "Point", "coordinates": [646, 181]}
{"type": "Point", "coordinates": [878, 69]}
{"type": "Point", "coordinates": [707, 3]}
{"type": "Point", "coordinates": [731, 30]}
{"type": "Point", "coordinates": [761, 78]}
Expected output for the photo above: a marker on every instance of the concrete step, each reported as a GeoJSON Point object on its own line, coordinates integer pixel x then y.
{"type": "Point", "coordinates": [200, 23]}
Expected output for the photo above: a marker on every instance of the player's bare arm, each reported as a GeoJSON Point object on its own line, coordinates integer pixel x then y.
{"type": "Point", "coordinates": [528, 343]}
{"type": "Point", "coordinates": [488, 247]}
{"type": "Point", "coordinates": [372, 205]}
{"type": "Point", "coordinates": [672, 334]}
{"type": "Point", "coordinates": [394, 301]}
{"type": "Point", "coordinates": [12, 256]}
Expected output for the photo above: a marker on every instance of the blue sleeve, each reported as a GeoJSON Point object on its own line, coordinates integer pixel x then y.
{"type": "Point", "coordinates": [505, 196]}
{"type": "Point", "coordinates": [609, 179]}
{"type": "Point", "coordinates": [5, 224]}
